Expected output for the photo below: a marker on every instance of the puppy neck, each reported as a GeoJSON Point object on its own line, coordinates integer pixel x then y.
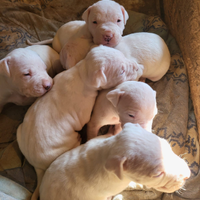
{"type": "Point", "coordinates": [85, 32]}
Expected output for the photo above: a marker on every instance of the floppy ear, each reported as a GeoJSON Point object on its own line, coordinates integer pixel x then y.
{"type": "Point", "coordinates": [125, 14]}
{"type": "Point", "coordinates": [116, 164]}
{"type": "Point", "coordinates": [4, 68]}
{"type": "Point", "coordinates": [86, 14]}
{"type": "Point", "coordinates": [114, 95]}
{"type": "Point", "coordinates": [99, 78]}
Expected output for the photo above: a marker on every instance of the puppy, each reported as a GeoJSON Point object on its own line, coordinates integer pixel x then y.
{"type": "Point", "coordinates": [50, 57]}
{"type": "Point", "coordinates": [23, 77]}
{"type": "Point", "coordinates": [130, 101]}
{"type": "Point", "coordinates": [148, 49]}
{"type": "Point", "coordinates": [104, 166]}
{"type": "Point", "coordinates": [103, 23]}
{"type": "Point", "coordinates": [50, 126]}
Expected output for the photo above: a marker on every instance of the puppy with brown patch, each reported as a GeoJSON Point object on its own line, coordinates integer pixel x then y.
{"type": "Point", "coordinates": [104, 166]}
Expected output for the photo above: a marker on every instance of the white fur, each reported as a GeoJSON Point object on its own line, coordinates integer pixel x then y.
{"type": "Point", "coordinates": [103, 167]}
{"type": "Point", "coordinates": [23, 77]}
{"type": "Point", "coordinates": [50, 57]}
{"type": "Point", "coordinates": [74, 39]}
{"type": "Point", "coordinates": [130, 101]}
{"type": "Point", "coordinates": [149, 50]}
{"type": "Point", "coordinates": [50, 126]}
{"type": "Point", "coordinates": [104, 24]}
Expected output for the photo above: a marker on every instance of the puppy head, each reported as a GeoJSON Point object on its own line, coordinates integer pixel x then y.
{"type": "Point", "coordinates": [107, 67]}
{"type": "Point", "coordinates": [26, 73]}
{"type": "Point", "coordinates": [147, 159]}
{"type": "Point", "coordinates": [135, 102]}
{"type": "Point", "coordinates": [106, 21]}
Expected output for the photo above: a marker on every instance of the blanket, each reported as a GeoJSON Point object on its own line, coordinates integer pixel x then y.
{"type": "Point", "coordinates": [39, 20]}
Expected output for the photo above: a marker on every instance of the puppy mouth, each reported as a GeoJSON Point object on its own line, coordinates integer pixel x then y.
{"type": "Point", "coordinates": [109, 44]}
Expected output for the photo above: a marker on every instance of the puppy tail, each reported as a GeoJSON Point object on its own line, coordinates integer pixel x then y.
{"type": "Point", "coordinates": [49, 41]}
{"type": "Point", "coordinates": [40, 174]}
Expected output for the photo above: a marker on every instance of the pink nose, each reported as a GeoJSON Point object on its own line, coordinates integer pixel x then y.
{"type": "Point", "coordinates": [46, 85]}
{"type": "Point", "coordinates": [108, 37]}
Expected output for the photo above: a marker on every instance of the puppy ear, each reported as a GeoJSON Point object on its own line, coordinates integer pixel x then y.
{"type": "Point", "coordinates": [116, 164]}
{"type": "Point", "coordinates": [114, 95]}
{"type": "Point", "coordinates": [99, 78]}
{"type": "Point", "coordinates": [125, 14]}
{"type": "Point", "coordinates": [4, 68]}
{"type": "Point", "coordinates": [86, 14]}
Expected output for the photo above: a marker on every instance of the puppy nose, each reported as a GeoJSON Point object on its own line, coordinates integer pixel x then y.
{"type": "Point", "coordinates": [46, 85]}
{"type": "Point", "coordinates": [108, 37]}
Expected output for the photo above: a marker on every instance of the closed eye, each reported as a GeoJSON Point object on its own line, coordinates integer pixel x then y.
{"type": "Point", "coordinates": [131, 115]}
{"type": "Point", "coordinates": [158, 175]}
{"type": "Point", "coordinates": [27, 74]}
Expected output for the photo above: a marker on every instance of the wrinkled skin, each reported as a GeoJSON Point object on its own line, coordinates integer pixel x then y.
{"type": "Point", "coordinates": [67, 107]}
{"type": "Point", "coordinates": [130, 101]}
{"type": "Point", "coordinates": [23, 77]}
{"type": "Point", "coordinates": [106, 21]}
{"type": "Point", "coordinates": [104, 167]}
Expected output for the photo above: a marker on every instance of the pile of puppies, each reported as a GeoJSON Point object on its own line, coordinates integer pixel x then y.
{"type": "Point", "coordinates": [97, 59]}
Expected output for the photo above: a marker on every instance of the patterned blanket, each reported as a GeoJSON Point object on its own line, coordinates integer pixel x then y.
{"type": "Point", "coordinates": [38, 20]}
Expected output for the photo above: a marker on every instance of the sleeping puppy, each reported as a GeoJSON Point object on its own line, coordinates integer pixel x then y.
{"type": "Point", "coordinates": [23, 77]}
{"type": "Point", "coordinates": [50, 57]}
{"type": "Point", "coordinates": [130, 101]}
{"type": "Point", "coordinates": [103, 23]}
{"type": "Point", "coordinates": [148, 49]}
{"type": "Point", "coordinates": [51, 125]}
{"type": "Point", "coordinates": [104, 166]}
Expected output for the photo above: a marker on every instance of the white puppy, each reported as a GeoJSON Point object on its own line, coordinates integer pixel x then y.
{"type": "Point", "coordinates": [105, 20]}
{"type": "Point", "coordinates": [50, 126]}
{"type": "Point", "coordinates": [104, 167]}
{"type": "Point", "coordinates": [148, 49]}
{"type": "Point", "coordinates": [130, 101]}
{"type": "Point", "coordinates": [50, 57]}
{"type": "Point", "coordinates": [23, 77]}
{"type": "Point", "coordinates": [103, 23]}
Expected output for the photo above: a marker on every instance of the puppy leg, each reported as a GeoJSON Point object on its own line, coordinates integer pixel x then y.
{"type": "Point", "coordinates": [93, 127]}
{"type": "Point", "coordinates": [118, 128]}
{"type": "Point", "coordinates": [103, 114]}
{"type": "Point", "coordinates": [114, 129]}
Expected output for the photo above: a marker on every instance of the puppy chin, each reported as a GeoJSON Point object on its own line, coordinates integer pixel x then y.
{"type": "Point", "coordinates": [34, 94]}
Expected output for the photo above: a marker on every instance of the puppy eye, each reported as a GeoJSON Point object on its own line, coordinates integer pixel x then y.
{"type": "Point", "coordinates": [158, 175]}
{"type": "Point", "coordinates": [131, 115]}
{"type": "Point", "coordinates": [119, 20]}
{"type": "Point", "coordinates": [94, 22]}
{"type": "Point", "coordinates": [27, 74]}
{"type": "Point", "coordinates": [122, 72]}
